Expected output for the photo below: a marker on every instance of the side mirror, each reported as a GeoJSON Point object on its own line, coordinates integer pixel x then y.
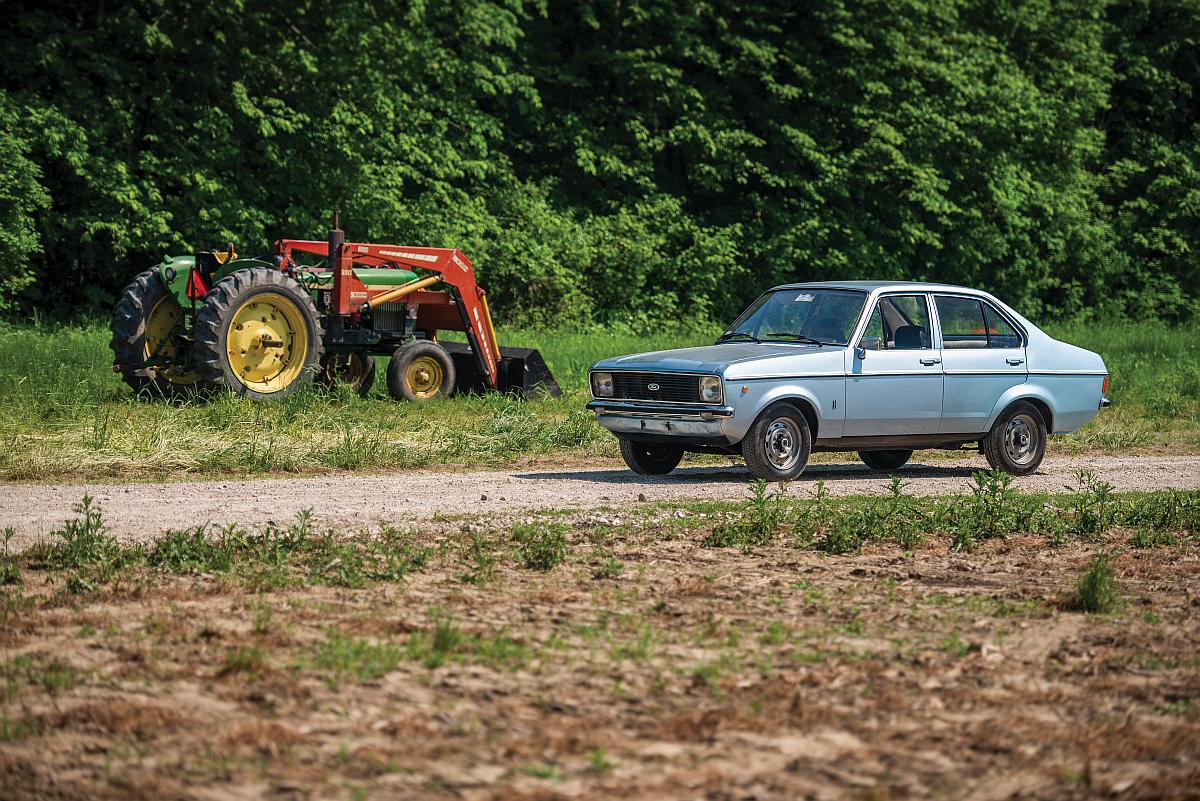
{"type": "Point", "coordinates": [868, 343]}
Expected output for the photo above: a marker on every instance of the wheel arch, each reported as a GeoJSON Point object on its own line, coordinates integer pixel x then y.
{"type": "Point", "coordinates": [802, 404]}
{"type": "Point", "coordinates": [1028, 394]}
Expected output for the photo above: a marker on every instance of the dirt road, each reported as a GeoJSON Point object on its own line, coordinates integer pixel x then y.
{"type": "Point", "coordinates": [143, 510]}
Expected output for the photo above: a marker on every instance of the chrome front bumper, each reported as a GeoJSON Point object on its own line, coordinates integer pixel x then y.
{"type": "Point", "coordinates": [687, 421]}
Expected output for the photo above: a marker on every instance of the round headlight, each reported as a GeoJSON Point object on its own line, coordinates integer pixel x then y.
{"type": "Point", "coordinates": [710, 389]}
{"type": "Point", "coordinates": [602, 385]}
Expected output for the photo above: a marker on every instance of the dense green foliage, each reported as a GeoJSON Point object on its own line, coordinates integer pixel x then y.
{"type": "Point", "coordinates": [611, 161]}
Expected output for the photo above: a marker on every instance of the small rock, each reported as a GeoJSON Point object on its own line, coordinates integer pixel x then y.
{"type": "Point", "coordinates": [483, 497]}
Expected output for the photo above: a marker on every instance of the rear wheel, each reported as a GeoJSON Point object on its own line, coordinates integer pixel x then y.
{"type": "Point", "coordinates": [650, 460]}
{"type": "Point", "coordinates": [1017, 442]}
{"type": "Point", "coordinates": [776, 447]}
{"type": "Point", "coordinates": [258, 334]}
{"type": "Point", "coordinates": [885, 460]}
{"type": "Point", "coordinates": [356, 368]}
{"type": "Point", "coordinates": [146, 324]}
{"type": "Point", "coordinates": [420, 371]}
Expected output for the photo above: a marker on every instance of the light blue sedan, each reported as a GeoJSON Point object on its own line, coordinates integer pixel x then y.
{"type": "Point", "coordinates": [881, 368]}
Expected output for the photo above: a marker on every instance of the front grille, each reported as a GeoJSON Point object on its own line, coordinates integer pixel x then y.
{"type": "Point", "coordinates": [388, 316]}
{"type": "Point", "coordinates": [672, 387]}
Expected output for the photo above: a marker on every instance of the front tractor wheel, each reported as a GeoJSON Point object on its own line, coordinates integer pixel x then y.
{"type": "Point", "coordinates": [146, 326]}
{"type": "Point", "coordinates": [356, 368]}
{"type": "Point", "coordinates": [420, 371]}
{"type": "Point", "coordinates": [258, 334]}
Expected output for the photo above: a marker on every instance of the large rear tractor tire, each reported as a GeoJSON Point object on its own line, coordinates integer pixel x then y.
{"type": "Point", "coordinates": [258, 334]}
{"type": "Point", "coordinates": [145, 327]}
{"type": "Point", "coordinates": [420, 371]}
{"type": "Point", "coordinates": [356, 368]}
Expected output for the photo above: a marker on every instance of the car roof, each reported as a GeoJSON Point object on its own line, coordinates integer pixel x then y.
{"type": "Point", "coordinates": [871, 286]}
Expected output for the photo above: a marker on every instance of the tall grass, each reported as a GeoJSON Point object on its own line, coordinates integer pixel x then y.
{"type": "Point", "coordinates": [63, 413]}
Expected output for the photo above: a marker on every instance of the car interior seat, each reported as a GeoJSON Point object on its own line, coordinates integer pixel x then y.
{"type": "Point", "coordinates": [909, 337]}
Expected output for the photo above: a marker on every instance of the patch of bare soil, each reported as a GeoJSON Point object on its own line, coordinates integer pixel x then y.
{"type": "Point", "coordinates": [644, 667]}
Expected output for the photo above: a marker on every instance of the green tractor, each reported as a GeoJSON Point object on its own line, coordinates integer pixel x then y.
{"type": "Point", "coordinates": [262, 327]}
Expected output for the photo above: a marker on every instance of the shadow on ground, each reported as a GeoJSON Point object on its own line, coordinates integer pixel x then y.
{"type": "Point", "coordinates": [739, 475]}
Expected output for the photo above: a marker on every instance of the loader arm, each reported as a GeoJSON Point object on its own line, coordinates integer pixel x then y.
{"type": "Point", "coordinates": [447, 266]}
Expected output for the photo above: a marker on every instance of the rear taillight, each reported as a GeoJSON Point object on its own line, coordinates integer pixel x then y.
{"type": "Point", "coordinates": [1104, 389]}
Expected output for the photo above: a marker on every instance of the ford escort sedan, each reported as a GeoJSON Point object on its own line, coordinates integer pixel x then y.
{"type": "Point", "coordinates": [881, 368]}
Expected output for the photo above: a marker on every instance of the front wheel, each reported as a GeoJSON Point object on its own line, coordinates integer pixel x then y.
{"type": "Point", "coordinates": [884, 461]}
{"type": "Point", "coordinates": [419, 371]}
{"type": "Point", "coordinates": [776, 447]}
{"type": "Point", "coordinates": [1017, 442]}
{"type": "Point", "coordinates": [650, 460]}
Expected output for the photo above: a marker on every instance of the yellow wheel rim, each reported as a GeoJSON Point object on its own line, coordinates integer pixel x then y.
{"type": "Point", "coordinates": [267, 343]}
{"type": "Point", "coordinates": [159, 339]}
{"type": "Point", "coordinates": [424, 376]}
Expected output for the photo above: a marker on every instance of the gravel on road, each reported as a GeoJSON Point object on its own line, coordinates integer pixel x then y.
{"type": "Point", "coordinates": [142, 511]}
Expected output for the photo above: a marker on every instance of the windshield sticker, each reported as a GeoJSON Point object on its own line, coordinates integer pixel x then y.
{"type": "Point", "coordinates": [803, 297]}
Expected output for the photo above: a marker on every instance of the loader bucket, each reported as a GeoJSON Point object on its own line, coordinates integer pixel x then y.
{"type": "Point", "coordinates": [522, 370]}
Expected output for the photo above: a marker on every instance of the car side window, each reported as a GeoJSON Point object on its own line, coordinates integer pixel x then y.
{"type": "Point", "coordinates": [962, 322]}
{"type": "Point", "coordinates": [901, 322]}
{"type": "Point", "coordinates": [1000, 333]}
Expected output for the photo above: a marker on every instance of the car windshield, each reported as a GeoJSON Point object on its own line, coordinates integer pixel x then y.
{"type": "Point", "coordinates": [814, 316]}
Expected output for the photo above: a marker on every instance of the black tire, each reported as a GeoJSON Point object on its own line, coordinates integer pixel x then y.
{"type": "Point", "coordinates": [885, 461]}
{"type": "Point", "coordinates": [138, 301]}
{"type": "Point", "coordinates": [1017, 442]}
{"type": "Point", "coordinates": [420, 371]}
{"type": "Point", "coordinates": [270, 370]}
{"type": "Point", "coordinates": [776, 447]}
{"type": "Point", "coordinates": [650, 460]}
{"type": "Point", "coordinates": [356, 368]}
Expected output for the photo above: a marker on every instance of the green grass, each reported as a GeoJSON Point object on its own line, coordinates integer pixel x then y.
{"type": "Point", "coordinates": [1096, 591]}
{"type": "Point", "coordinates": [64, 414]}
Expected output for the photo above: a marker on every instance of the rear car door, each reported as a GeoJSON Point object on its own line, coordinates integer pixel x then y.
{"type": "Point", "coordinates": [983, 356]}
{"type": "Point", "coordinates": [894, 380]}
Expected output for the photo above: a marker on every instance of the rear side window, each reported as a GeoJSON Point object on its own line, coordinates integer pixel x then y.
{"type": "Point", "coordinates": [1000, 333]}
{"type": "Point", "coordinates": [969, 323]}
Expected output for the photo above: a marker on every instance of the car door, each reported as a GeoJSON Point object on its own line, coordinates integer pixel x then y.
{"type": "Point", "coordinates": [894, 379]}
{"type": "Point", "coordinates": [983, 356]}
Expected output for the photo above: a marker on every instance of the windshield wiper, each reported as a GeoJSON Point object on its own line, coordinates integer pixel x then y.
{"type": "Point", "coordinates": [731, 334]}
{"type": "Point", "coordinates": [794, 335]}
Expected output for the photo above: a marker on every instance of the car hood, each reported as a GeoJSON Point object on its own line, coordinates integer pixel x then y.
{"type": "Point", "coordinates": [712, 358]}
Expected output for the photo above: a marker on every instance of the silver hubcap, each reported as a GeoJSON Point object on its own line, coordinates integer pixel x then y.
{"type": "Point", "coordinates": [783, 443]}
{"type": "Point", "coordinates": [1021, 439]}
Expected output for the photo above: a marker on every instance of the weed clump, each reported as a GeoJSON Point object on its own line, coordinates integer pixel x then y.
{"type": "Point", "coordinates": [10, 571]}
{"type": "Point", "coordinates": [356, 659]}
{"type": "Point", "coordinates": [1096, 591]}
{"type": "Point", "coordinates": [540, 546]}
{"type": "Point", "coordinates": [478, 562]}
{"type": "Point", "coordinates": [755, 524]}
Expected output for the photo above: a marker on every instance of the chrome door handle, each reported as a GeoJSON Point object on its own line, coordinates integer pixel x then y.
{"type": "Point", "coordinates": [1014, 361]}
{"type": "Point", "coordinates": [928, 362]}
